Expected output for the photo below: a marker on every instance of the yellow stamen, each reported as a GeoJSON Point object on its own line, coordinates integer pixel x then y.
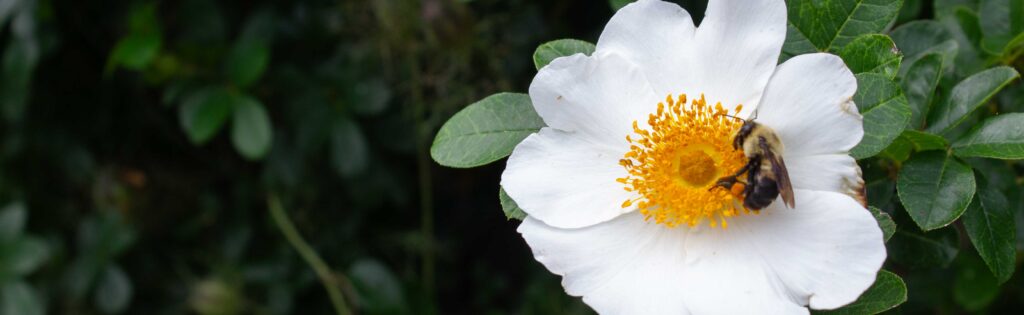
{"type": "Point", "coordinates": [675, 164]}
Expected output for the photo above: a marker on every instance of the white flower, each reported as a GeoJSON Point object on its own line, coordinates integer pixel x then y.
{"type": "Point", "coordinates": [636, 230]}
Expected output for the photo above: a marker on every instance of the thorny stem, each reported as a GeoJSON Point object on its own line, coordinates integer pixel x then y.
{"type": "Point", "coordinates": [308, 254]}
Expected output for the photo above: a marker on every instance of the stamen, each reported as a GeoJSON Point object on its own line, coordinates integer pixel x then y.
{"type": "Point", "coordinates": [675, 163]}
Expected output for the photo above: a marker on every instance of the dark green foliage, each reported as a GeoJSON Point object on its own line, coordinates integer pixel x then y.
{"type": "Point", "coordinates": [141, 140]}
{"type": "Point", "coordinates": [829, 25]}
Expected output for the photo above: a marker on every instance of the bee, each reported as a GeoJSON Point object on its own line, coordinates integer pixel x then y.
{"type": "Point", "coordinates": [767, 177]}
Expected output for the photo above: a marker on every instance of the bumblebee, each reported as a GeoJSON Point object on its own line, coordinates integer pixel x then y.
{"type": "Point", "coordinates": [767, 177]}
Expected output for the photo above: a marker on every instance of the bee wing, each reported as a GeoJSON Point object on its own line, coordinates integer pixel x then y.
{"type": "Point", "coordinates": [781, 174]}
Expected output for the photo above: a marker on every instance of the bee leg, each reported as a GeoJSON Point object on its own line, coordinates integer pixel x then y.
{"type": "Point", "coordinates": [728, 181]}
{"type": "Point", "coordinates": [725, 182]}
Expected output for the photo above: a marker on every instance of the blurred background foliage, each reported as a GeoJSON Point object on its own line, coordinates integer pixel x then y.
{"type": "Point", "coordinates": [145, 145]}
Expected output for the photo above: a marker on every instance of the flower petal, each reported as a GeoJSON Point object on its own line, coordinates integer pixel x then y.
{"type": "Point", "coordinates": [824, 253]}
{"type": "Point", "coordinates": [658, 36]}
{"type": "Point", "coordinates": [596, 96]}
{"type": "Point", "coordinates": [809, 104]}
{"type": "Point", "coordinates": [729, 58]}
{"type": "Point", "coordinates": [828, 250]}
{"type": "Point", "coordinates": [565, 180]}
{"type": "Point", "coordinates": [631, 266]}
{"type": "Point", "coordinates": [738, 44]}
{"type": "Point", "coordinates": [623, 266]}
{"type": "Point", "coordinates": [827, 172]}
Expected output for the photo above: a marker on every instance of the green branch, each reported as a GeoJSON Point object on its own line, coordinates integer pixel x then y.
{"type": "Point", "coordinates": [322, 270]}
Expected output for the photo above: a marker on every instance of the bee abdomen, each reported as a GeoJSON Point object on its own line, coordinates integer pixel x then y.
{"type": "Point", "coordinates": [762, 194]}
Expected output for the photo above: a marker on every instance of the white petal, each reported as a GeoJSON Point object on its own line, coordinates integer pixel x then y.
{"type": "Point", "coordinates": [729, 58]}
{"type": "Point", "coordinates": [824, 253]}
{"type": "Point", "coordinates": [597, 97]}
{"type": "Point", "coordinates": [738, 44]}
{"type": "Point", "coordinates": [565, 180]}
{"type": "Point", "coordinates": [630, 266]}
{"type": "Point", "coordinates": [826, 172]}
{"type": "Point", "coordinates": [658, 37]}
{"type": "Point", "coordinates": [624, 266]}
{"type": "Point", "coordinates": [809, 103]}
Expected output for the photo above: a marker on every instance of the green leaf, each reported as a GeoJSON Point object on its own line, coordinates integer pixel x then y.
{"type": "Point", "coordinates": [204, 113]}
{"type": "Point", "coordinates": [872, 53]}
{"type": "Point", "coordinates": [509, 206]}
{"type": "Point", "coordinates": [884, 222]}
{"type": "Point", "coordinates": [248, 57]}
{"type": "Point", "coordinates": [964, 28]}
{"type": "Point", "coordinates": [20, 57]}
{"type": "Point", "coordinates": [101, 238]}
{"type": "Point", "coordinates": [990, 226]}
{"type": "Point", "coordinates": [927, 250]}
{"type": "Point", "coordinates": [350, 154]}
{"type": "Point", "coordinates": [114, 291]}
{"type": "Point", "coordinates": [485, 131]}
{"type": "Point", "coordinates": [887, 292]}
{"type": "Point", "coordinates": [135, 51]}
{"type": "Point", "coordinates": [913, 141]}
{"type": "Point", "coordinates": [22, 257]}
{"type": "Point", "coordinates": [919, 38]}
{"type": "Point", "coordinates": [898, 150]}
{"type": "Point", "coordinates": [1000, 137]}
{"type": "Point", "coordinates": [20, 298]}
{"type": "Point", "coordinates": [923, 141]}
{"type": "Point", "coordinates": [973, 287]}
{"type": "Point", "coordinates": [547, 52]}
{"type": "Point", "coordinates": [106, 236]}
{"type": "Point", "coordinates": [7, 8]}
{"type": "Point", "coordinates": [919, 84]}
{"type": "Point", "coordinates": [935, 189]}
{"type": "Point", "coordinates": [138, 49]}
{"type": "Point", "coordinates": [910, 10]}
{"type": "Point", "coordinates": [377, 288]}
{"type": "Point", "coordinates": [996, 174]}
{"type": "Point", "coordinates": [1013, 49]}
{"type": "Point", "coordinates": [967, 96]}
{"type": "Point", "coordinates": [247, 61]}
{"type": "Point", "coordinates": [80, 275]}
{"type": "Point", "coordinates": [142, 18]}
{"type": "Point", "coordinates": [1001, 21]}
{"type": "Point", "coordinates": [369, 97]}
{"type": "Point", "coordinates": [618, 4]}
{"type": "Point", "coordinates": [251, 132]}
{"type": "Point", "coordinates": [947, 7]}
{"type": "Point", "coordinates": [885, 113]}
{"type": "Point", "coordinates": [12, 221]}
{"type": "Point", "coordinates": [830, 25]}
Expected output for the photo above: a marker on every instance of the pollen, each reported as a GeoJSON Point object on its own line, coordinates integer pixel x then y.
{"type": "Point", "coordinates": [674, 164]}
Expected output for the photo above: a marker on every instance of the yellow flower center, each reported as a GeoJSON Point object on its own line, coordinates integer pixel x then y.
{"type": "Point", "coordinates": [675, 165]}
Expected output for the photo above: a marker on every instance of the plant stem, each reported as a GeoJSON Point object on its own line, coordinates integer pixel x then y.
{"type": "Point", "coordinates": [423, 163]}
{"type": "Point", "coordinates": [308, 254]}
